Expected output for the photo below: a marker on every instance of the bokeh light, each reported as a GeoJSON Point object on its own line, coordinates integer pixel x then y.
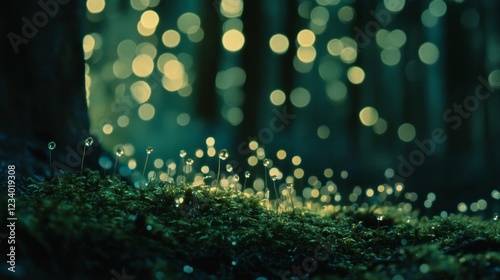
{"type": "Point", "coordinates": [368, 116]}
{"type": "Point", "coordinates": [233, 40]}
{"type": "Point", "coordinates": [300, 97]}
{"type": "Point", "coordinates": [279, 43]}
{"type": "Point", "coordinates": [428, 53]}
{"type": "Point", "coordinates": [356, 75]}
{"type": "Point", "coordinates": [95, 6]}
{"type": "Point", "coordinates": [407, 132]}
{"type": "Point", "coordinates": [341, 71]}
{"type": "Point", "coordinates": [171, 38]}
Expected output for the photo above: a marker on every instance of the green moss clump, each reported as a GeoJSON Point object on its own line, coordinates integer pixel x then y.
{"type": "Point", "coordinates": [81, 226]}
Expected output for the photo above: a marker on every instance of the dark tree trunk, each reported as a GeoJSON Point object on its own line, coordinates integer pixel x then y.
{"type": "Point", "coordinates": [253, 53]}
{"type": "Point", "coordinates": [42, 86]}
{"type": "Point", "coordinates": [209, 55]}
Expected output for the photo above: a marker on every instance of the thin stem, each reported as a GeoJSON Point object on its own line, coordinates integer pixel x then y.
{"type": "Point", "coordinates": [275, 193]}
{"type": "Point", "coordinates": [291, 201]}
{"type": "Point", "coordinates": [184, 170]}
{"type": "Point", "coordinates": [116, 165]}
{"type": "Point", "coordinates": [218, 176]}
{"type": "Point", "coordinates": [231, 181]}
{"type": "Point", "coordinates": [265, 176]}
{"type": "Point", "coordinates": [145, 165]}
{"type": "Point", "coordinates": [244, 184]}
{"type": "Point", "coordinates": [267, 199]}
{"type": "Point", "coordinates": [50, 164]}
{"type": "Point", "coordinates": [83, 156]}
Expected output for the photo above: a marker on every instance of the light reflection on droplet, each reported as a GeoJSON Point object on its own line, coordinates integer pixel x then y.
{"type": "Point", "coordinates": [51, 145]}
{"type": "Point", "coordinates": [223, 154]}
{"type": "Point", "coordinates": [182, 153]}
{"type": "Point", "coordinates": [89, 141]}
{"type": "Point", "coordinates": [119, 151]}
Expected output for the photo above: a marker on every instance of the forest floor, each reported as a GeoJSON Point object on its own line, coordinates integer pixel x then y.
{"type": "Point", "coordinates": [82, 226]}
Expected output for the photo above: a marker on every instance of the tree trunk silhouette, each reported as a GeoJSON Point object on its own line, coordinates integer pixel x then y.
{"type": "Point", "coordinates": [253, 53]}
{"type": "Point", "coordinates": [42, 87]}
{"type": "Point", "coordinates": [208, 56]}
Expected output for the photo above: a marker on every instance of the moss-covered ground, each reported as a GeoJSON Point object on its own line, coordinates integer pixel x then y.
{"type": "Point", "coordinates": [82, 226]}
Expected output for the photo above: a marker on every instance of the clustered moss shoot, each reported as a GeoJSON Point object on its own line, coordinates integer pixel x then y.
{"type": "Point", "coordinates": [82, 226]}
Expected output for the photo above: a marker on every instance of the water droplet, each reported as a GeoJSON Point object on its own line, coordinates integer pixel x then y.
{"type": "Point", "coordinates": [120, 152]}
{"type": "Point", "coordinates": [247, 174]}
{"type": "Point", "coordinates": [89, 141]}
{"type": "Point", "coordinates": [223, 154]}
{"type": "Point", "coordinates": [267, 162]}
{"type": "Point", "coordinates": [182, 153]}
{"type": "Point", "coordinates": [229, 168]}
{"type": "Point", "coordinates": [289, 185]}
{"type": "Point", "coordinates": [189, 161]}
{"type": "Point", "coordinates": [149, 150]}
{"type": "Point", "coordinates": [149, 227]}
{"type": "Point", "coordinates": [274, 178]}
{"type": "Point", "coordinates": [187, 269]}
{"type": "Point", "coordinates": [236, 177]}
{"type": "Point", "coordinates": [234, 262]}
{"type": "Point", "coordinates": [51, 145]}
{"type": "Point", "coordinates": [495, 217]}
{"type": "Point", "coordinates": [233, 240]}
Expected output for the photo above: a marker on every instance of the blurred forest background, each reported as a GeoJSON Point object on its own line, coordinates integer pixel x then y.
{"type": "Point", "coordinates": [361, 81]}
{"type": "Point", "coordinates": [357, 95]}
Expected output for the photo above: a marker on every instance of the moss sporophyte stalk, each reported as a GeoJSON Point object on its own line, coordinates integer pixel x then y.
{"type": "Point", "coordinates": [88, 142]}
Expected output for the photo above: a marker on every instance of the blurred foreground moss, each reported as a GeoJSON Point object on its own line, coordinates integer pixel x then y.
{"type": "Point", "coordinates": [81, 226]}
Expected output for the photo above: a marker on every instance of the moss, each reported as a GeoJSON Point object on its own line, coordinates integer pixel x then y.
{"type": "Point", "coordinates": [81, 226]}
